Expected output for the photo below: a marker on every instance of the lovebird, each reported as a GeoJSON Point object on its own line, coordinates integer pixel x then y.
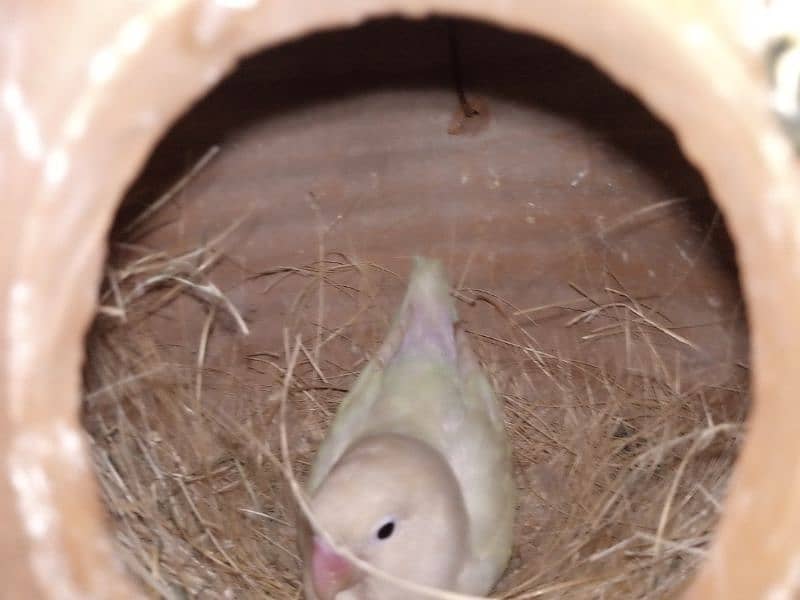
{"type": "Point", "coordinates": [414, 476]}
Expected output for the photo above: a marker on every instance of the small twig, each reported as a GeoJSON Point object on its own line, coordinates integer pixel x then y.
{"type": "Point", "coordinates": [173, 190]}
{"type": "Point", "coordinates": [201, 356]}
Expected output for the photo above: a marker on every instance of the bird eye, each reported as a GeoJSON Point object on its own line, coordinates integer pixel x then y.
{"type": "Point", "coordinates": [386, 530]}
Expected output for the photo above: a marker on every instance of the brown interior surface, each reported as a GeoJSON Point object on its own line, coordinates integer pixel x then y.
{"type": "Point", "coordinates": [354, 142]}
{"type": "Point", "coordinates": [340, 142]}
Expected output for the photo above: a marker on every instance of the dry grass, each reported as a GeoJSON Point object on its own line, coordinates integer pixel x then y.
{"type": "Point", "coordinates": [622, 471]}
{"type": "Point", "coordinates": [623, 475]}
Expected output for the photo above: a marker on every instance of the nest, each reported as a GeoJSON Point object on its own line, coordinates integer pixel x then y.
{"type": "Point", "coordinates": [622, 467]}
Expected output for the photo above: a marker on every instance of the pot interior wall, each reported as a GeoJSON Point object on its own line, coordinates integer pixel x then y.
{"type": "Point", "coordinates": [562, 181]}
{"type": "Point", "coordinates": [561, 193]}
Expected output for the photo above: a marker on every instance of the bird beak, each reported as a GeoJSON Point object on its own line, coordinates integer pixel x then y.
{"type": "Point", "coordinates": [331, 573]}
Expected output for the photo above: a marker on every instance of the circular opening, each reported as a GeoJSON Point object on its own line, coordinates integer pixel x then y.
{"type": "Point", "coordinates": [267, 244]}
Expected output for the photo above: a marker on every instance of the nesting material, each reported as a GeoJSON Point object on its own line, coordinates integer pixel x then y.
{"type": "Point", "coordinates": [622, 466]}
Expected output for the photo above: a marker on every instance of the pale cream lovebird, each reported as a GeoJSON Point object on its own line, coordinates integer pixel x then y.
{"type": "Point", "coordinates": [414, 476]}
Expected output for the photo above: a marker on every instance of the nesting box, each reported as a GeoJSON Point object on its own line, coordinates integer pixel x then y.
{"type": "Point", "coordinates": [534, 178]}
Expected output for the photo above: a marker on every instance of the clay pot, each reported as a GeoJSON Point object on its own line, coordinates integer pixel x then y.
{"type": "Point", "coordinates": [87, 90]}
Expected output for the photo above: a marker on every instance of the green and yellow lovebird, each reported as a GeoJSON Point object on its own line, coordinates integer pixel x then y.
{"type": "Point", "coordinates": [414, 476]}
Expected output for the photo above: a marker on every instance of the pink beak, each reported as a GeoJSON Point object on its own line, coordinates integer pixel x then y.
{"type": "Point", "coordinates": [331, 573]}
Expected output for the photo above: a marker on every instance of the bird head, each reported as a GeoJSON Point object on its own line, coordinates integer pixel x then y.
{"type": "Point", "coordinates": [394, 503]}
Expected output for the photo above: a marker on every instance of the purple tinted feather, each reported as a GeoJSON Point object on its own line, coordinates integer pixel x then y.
{"type": "Point", "coordinates": [427, 316]}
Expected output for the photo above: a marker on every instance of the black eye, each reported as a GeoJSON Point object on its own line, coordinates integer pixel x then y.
{"type": "Point", "coordinates": [386, 530]}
